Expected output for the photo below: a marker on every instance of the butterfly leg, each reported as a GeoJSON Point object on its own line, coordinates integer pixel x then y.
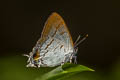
{"type": "Point", "coordinates": [65, 59]}
{"type": "Point", "coordinates": [71, 57]}
{"type": "Point", "coordinates": [75, 59]}
{"type": "Point", "coordinates": [63, 62]}
{"type": "Point", "coordinates": [39, 63]}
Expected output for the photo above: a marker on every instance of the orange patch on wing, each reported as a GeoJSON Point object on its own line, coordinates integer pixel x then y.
{"type": "Point", "coordinates": [55, 20]}
{"type": "Point", "coordinates": [36, 55]}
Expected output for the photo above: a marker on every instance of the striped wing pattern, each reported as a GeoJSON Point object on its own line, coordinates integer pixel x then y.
{"type": "Point", "coordinates": [55, 41]}
{"type": "Point", "coordinates": [55, 24]}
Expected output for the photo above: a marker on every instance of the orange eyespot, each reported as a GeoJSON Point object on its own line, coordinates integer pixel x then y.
{"type": "Point", "coordinates": [36, 55]}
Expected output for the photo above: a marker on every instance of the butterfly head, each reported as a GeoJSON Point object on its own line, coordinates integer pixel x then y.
{"type": "Point", "coordinates": [33, 59]}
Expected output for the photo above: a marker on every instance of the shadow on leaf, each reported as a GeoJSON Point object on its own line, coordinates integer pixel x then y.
{"type": "Point", "coordinates": [64, 71]}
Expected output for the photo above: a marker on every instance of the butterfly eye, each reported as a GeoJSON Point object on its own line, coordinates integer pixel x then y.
{"type": "Point", "coordinates": [36, 55]}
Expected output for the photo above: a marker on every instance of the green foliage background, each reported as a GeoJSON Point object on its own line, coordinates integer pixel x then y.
{"type": "Point", "coordinates": [13, 68]}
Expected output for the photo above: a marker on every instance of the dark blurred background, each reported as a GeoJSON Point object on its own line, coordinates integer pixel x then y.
{"type": "Point", "coordinates": [21, 23]}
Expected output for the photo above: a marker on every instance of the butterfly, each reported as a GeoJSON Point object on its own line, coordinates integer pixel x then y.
{"type": "Point", "coordinates": [55, 46]}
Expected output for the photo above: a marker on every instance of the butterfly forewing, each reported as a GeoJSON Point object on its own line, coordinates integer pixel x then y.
{"type": "Point", "coordinates": [55, 27]}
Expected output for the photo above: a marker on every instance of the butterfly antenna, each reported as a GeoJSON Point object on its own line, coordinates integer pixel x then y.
{"type": "Point", "coordinates": [76, 44]}
{"type": "Point", "coordinates": [77, 40]}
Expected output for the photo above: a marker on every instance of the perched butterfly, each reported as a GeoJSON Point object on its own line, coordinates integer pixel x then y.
{"type": "Point", "coordinates": [55, 47]}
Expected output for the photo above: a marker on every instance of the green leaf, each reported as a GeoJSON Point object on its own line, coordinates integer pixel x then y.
{"type": "Point", "coordinates": [64, 71]}
{"type": "Point", "coordinates": [75, 68]}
